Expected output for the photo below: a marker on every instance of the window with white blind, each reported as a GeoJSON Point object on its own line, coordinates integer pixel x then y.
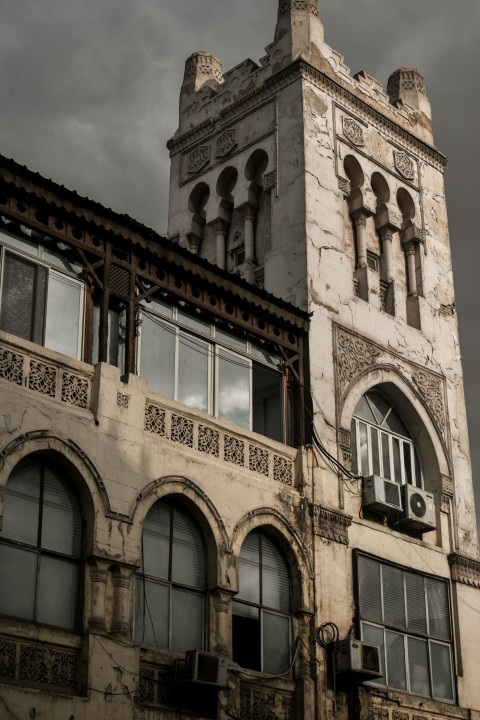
{"type": "Point", "coordinates": [381, 443]}
{"type": "Point", "coordinates": [40, 545]}
{"type": "Point", "coordinates": [170, 589]}
{"type": "Point", "coordinates": [41, 299]}
{"type": "Point", "coordinates": [210, 368]}
{"type": "Point", "coordinates": [408, 616]}
{"type": "Point", "coordinates": [261, 609]}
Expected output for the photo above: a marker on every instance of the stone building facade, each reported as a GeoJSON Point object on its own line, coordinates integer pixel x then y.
{"type": "Point", "coordinates": [234, 465]}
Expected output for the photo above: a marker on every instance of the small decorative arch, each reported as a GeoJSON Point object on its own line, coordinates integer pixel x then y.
{"type": "Point", "coordinates": [354, 172]}
{"type": "Point", "coordinates": [289, 541]}
{"type": "Point", "coordinates": [201, 508]}
{"type": "Point", "coordinates": [380, 189]}
{"type": "Point", "coordinates": [198, 198]}
{"type": "Point", "coordinates": [226, 183]}
{"type": "Point", "coordinates": [255, 167]}
{"type": "Point", "coordinates": [406, 205]}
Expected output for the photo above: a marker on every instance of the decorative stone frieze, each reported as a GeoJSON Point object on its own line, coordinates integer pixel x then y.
{"type": "Point", "coordinates": [353, 355]}
{"type": "Point", "coordinates": [198, 159]}
{"type": "Point", "coordinates": [431, 387]}
{"type": "Point", "coordinates": [217, 444]}
{"type": "Point", "coordinates": [266, 703]}
{"type": "Point", "coordinates": [465, 570]}
{"type": "Point", "coordinates": [38, 664]}
{"type": "Point", "coordinates": [45, 377]}
{"type": "Point", "coordinates": [122, 399]}
{"type": "Point", "coordinates": [331, 524]}
{"type": "Point", "coordinates": [303, 5]}
{"type": "Point", "coordinates": [404, 164]}
{"type": "Point", "coordinates": [353, 131]}
{"type": "Point", "coordinates": [393, 712]}
{"type": "Point", "coordinates": [269, 180]}
{"type": "Point", "coordinates": [226, 142]}
{"type": "Point", "coordinates": [344, 185]}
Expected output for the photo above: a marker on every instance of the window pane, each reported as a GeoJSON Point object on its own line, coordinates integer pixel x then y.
{"type": "Point", "coordinates": [57, 592]}
{"type": "Point", "coordinates": [370, 594]}
{"type": "Point", "coordinates": [22, 495]}
{"type": "Point", "coordinates": [194, 322]}
{"type": "Point", "coordinates": [442, 681]}
{"type": "Point", "coordinates": [249, 571]}
{"type": "Point", "coordinates": [363, 410]}
{"type": "Point", "coordinates": [193, 361]}
{"type": "Point", "coordinates": [233, 388]}
{"type": "Point", "coordinates": [187, 621]}
{"type": "Point", "coordinates": [393, 597]}
{"type": "Point", "coordinates": [246, 643]}
{"type": "Point", "coordinates": [157, 358]}
{"type": "Point", "coordinates": [387, 473]}
{"type": "Point", "coordinates": [156, 541]}
{"type": "Point", "coordinates": [397, 466]}
{"type": "Point", "coordinates": [223, 336]}
{"type": "Point", "coordinates": [19, 576]}
{"type": "Point", "coordinates": [373, 635]}
{"type": "Point", "coordinates": [63, 329]}
{"type": "Point", "coordinates": [117, 332]}
{"type": "Point", "coordinates": [418, 666]}
{"type": "Point", "coordinates": [275, 579]}
{"type": "Point", "coordinates": [396, 670]}
{"type": "Point", "coordinates": [30, 247]}
{"type": "Point", "coordinates": [364, 461]}
{"type": "Point", "coordinates": [267, 402]}
{"type": "Point", "coordinates": [375, 452]}
{"type": "Point", "coordinates": [152, 613]}
{"type": "Point", "coordinates": [23, 298]}
{"type": "Point", "coordinates": [276, 643]}
{"type": "Point", "coordinates": [438, 611]}
{"type": "Point", "coordinates": [188, 553]}
{"type": "Point", "coordinates": [162, 307]}
{"type": "Point", "coordinates": [61, 520]}
{"type": "Point", "coordinates": [407, 459]}
{"type": "Point", "coordinates": [416, 606]}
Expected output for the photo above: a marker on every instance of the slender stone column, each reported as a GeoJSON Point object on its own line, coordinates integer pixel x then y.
{"type": "Point", "coordinates": [248, 215]}
{"type": "Point", "coordinates": [412, 274]}
{"type": "Point", "coordinates": [121, 579]}
{"type": "Point", "coordinates": [386, 234]}
{"type": "Point", "coordinates": [98, 582]}
{"type": "Point", "coordinates": [222, 616]}
{"type": "Point", "coordinates": [221, 228]}
{"type": "Point", "coordinates": [360, 220]}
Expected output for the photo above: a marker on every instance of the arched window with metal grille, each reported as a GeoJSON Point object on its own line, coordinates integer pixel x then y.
{"type": "Point", "coordinates": [381, 442]}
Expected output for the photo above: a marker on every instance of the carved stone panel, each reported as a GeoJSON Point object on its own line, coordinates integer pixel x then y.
{"type": "Point", "coordinates": [331, 524]}
{"type": "Point", "coordinates": [465, 570]}
{"type": "Point", "coordinates": [404, 164]}
{"type": "Point", "coordinates": [198, 158]}
{"type": "Point", "coordinates": [353, 355]}
{"type": "Point", "coordinates": [431, 387]}
{"type": "Point", "coordinates": [226, 141]}
{"type": "Point", "coordinates": [353, 131]}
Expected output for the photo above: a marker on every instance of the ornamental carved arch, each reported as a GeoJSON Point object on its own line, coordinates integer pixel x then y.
{"type": "Point", "coordinates": [408, 400]}
{"type": "Point", "coordinates": [198, 504]}
{"type": "Point", "coordinates": [284, 534]}
{"type": "Point", "coordinates": [72, 460]}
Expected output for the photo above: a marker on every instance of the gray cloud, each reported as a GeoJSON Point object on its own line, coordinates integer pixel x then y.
{"type": "Point", "coordinates": [89, 96]}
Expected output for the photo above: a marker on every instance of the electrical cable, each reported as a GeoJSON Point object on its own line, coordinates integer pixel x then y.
{"type": "Point", "coordinates": [240, 671]}
{"type": "Point", "coordinates": [327, 634]}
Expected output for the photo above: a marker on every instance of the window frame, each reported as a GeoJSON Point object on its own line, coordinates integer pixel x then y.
{"type": "Point", "coordinates": [51, 271]}
{"type": "Point", "coordinates": [263, 609]}
{"type": "Point", "coordinates": [407, 633]}
{"type": "Point", "coordinates": [416, 474]}
{"type": "Point", "coordinates": [142, 577]}
{"type": "Point", "coordinates": [177, 324]}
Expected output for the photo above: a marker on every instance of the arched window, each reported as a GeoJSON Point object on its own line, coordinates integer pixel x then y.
{"type": "Point", "coordinates": [261, 610]}
{"type": "Point", "coordinates": [382, 444]}
{"type": "Point", "coordinates": [170, 590]}
{"type": "Point", "coordinates": [40, 545]}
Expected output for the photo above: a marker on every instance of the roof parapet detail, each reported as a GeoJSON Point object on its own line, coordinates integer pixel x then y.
{"type": "Point", "coordinates": [406, 86]}
{"type": "Point", "coordinates": [299, 30]}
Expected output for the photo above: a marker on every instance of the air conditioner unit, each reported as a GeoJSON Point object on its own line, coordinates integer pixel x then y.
{"type": "Point", "coordinates": [381, 495]}
{"type": "Point", "coordinates": [205, 668]}
{"type": "Point", "coordinates": [418, 509]}
{"type": "Point", "coordinates": [355, 657]}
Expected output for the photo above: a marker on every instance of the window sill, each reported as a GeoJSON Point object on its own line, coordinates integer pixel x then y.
{"type": "Point", "coordinates": [409, 701]}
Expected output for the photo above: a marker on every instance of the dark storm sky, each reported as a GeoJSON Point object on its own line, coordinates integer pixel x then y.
{"type": "Point", "coordinates": [89, 96]}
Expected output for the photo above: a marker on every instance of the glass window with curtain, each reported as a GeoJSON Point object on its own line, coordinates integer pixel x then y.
{"type": "Point", "coordinates": [170, 589]}
{"type": "Point", "coordinates": [407, 615]}
{"type": "Point", "coordinates": [40, 545]}
{"type": "Point", "coordinates": [381, 443]}
{"type": "Point", "coordinates": [261, 624]}
{"type": "Point", "coordinates": [39, 303]}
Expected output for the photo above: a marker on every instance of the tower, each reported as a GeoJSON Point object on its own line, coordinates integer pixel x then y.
{"type": "Point", "coordinates": [325, 189]}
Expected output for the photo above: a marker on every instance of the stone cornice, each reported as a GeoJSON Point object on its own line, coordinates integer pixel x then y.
{"type": "Point", "coordinates": [465, 570]}
{"type": "Point", "coordinates": [303, 70]}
